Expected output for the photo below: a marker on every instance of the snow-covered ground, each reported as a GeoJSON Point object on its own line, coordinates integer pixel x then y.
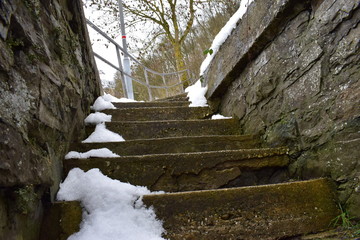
{"type": "Point", "coordinates": [101, 134]}
{"type": "Point", "coordinates": [219, 116]}
{"type": "Point", "coordinates": [112, 210]}
{"type": "Point", "coordinates": [196, 95]}
{"type": "Point", "coordinates": [102, 152]}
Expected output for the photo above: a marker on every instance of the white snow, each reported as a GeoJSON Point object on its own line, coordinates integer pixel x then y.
{"type": "Point", "coordinates": [112, 210]}
{"type": "Point", "coordinates": [196, 95]}
{"type": "Point", "coordinates": [111, 98]}
{"type": "Point", "coordinates": [98, 117]}
{"type": "Point", "coordinates": [219, 116]}
{"type": "Point", "coordinates": [224, 33]}
{"type": "Point", "coordinates": [101, 152]}
{"type": "Point", "coordinates": [101, 104]}
{"type": "Point", "coordinates": [101, 134]}
{"type": "Point", "coordinates": [105, 102]}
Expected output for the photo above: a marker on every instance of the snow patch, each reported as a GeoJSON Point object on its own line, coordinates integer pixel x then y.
{"type": "Point", "coordinates": [111, 98]}
{"type": "Point", "coordinates": [101, 134]}
{"type": "Point", "coordinates": [102, 153]}
{"type": "Point", "coordinates": [98, 117]}
{"type": "Point", "coordinates": [224, 33]}
{"type": "Point", "coordinates": [219, 116]}
{"type": "Point", "coordinates": [112, 210]}
{"type": "Point", "coordinates": [100, 104]}
{"type": "Point", "coordinates": [196, 95]}
{"type": "Point", "coordinates": [105, 102]}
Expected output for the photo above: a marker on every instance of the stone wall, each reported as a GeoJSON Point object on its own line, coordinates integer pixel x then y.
{"type": "Point", "coordinates": [290, 71]}
{"type": "Point", "coordinates": [48, 82]}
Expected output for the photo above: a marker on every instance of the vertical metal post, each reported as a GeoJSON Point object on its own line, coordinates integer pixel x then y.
{"type": "Point", "coordinates": [148, 85]}
{"type": "Point", "coordinates": [166, 87]}
{"type": "Point", "coordinates": [127, 70]}
{"type": "Point", "coordinates": [123, 83]}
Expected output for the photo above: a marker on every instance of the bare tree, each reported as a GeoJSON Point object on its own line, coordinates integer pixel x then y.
{"type": "Point", "coordinates": [172, 18]}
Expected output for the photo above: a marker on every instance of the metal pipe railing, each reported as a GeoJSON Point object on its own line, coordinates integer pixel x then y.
{"type": "Point", "coordinates": [120, 50]}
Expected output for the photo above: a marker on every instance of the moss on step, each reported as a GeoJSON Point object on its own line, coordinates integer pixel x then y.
{"type": "Point", "coordinates": [184, 171]}
{"type": "Point", "coordinates": [261, 212]}
{"type": "Point", "coordinates": [61, 219]}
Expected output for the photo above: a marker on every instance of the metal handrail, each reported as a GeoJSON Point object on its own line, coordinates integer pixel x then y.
{"type": "Point", "coordinates": [146, 69]}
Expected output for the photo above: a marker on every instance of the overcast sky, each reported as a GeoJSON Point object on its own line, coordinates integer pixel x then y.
{"type": "Point", "coordinates": [102, 47]}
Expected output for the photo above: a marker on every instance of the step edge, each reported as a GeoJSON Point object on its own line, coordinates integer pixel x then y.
{"type": "Point", "coordinates": [156, 195]}
{"type": "Point", "coordinates": [281, 151]}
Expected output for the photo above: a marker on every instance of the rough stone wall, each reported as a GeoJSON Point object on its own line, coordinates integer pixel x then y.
{"type": "Point", "coordinates": [48, 80]}
{"type": "Point", "coordinates": [290, 71]}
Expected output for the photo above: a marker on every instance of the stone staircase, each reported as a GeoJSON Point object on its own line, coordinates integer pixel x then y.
{"type": "Point", "coordinates": [219, 184]}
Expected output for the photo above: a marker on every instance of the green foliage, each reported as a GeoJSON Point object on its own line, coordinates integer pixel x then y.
{"type": "Point", "coordinates": [201, 78]}
{"type": "Point", "coordinates": [344, 219]}
{"type": "Point", "coordinates": [33, 6]}
{"type": "Point", "coordinates": [25, 199]}
{"type": "Point", "coordinates": [208, 51]}
{"type": "Point", "coordinates": [13, 43]}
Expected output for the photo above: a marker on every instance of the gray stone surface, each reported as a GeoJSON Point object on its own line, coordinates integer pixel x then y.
{"type": "Point", "coordinates": [48, 80]}
{"type": "Point", "coordinates": [300, 89]}
{"type": "Point", "coordinates": [184, 171]}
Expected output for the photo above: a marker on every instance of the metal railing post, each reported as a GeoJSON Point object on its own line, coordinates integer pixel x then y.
{"type": "Point", "coordinates": [124, 74]}
{"type": "Point", "coordinates": [165, 85]}
{"type": "Point", "coordinates": [148, 85]}
{"type": "Point", "coordinates": [123, 82]}
{"type": "Point", "coordinates": [127, 69]}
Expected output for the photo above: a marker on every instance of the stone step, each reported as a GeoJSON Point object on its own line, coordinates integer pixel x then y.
{"type": "Point", "coordinates": [61, 219]}
{"type": "Point", "coordinates": [155, 113]}
{"type": "Point", "coordinates": [131, 130]}
{"type": "Point", "coordinates": [174, 145]}
{"type": "Point", "coordinates": [260, 212]}
{"type": "Point", "coordinates": [179, 97]}
{"type": "Point", "coordinates": [151, 104]}
{"type": "Point", "coordinates": [184, 171]}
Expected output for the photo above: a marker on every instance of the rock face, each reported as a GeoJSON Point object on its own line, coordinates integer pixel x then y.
{"type": "Point", "coordinates": [48, 81]}
{"type": "Point", "coordinates": [290, 71]}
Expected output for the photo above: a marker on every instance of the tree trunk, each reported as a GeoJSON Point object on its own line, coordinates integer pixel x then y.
{"type": "Point", "coordinates": [180, 63]}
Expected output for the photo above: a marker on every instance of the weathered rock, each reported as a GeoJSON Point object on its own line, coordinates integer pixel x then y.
{"type": "Point", "coordinates": [261, 212]}
{"type": "Point", "coordinates": [254, 32]}
{"type": "Point", "coordinates": [300, 87]}
{"type": "Point", "coordinates": [183, 171]}
{"type": "Point", "coordinates": [48, 80]}
{"type": "Point", "coordinates": [20, 212]}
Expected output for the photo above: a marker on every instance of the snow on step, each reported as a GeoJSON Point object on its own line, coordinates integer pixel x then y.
{"type": "Point", "coordinates": [184, 171]}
